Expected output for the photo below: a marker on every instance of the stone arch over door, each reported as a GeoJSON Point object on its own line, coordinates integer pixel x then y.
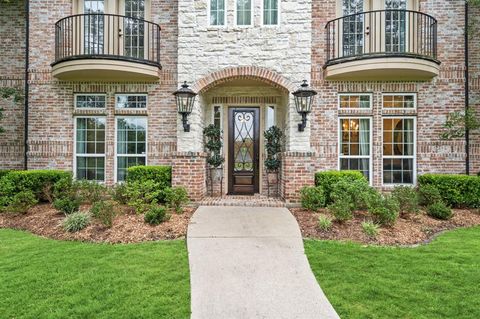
{"type": "Point", "coordinates": [243, 72]}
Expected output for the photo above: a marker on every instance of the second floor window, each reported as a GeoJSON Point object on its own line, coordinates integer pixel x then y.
{"type": "Point", "coordinates": [270, 12]}
{"type": "Point", "coordinates": [94, 26]}
{"type": "Point", "coordinates": [352, 27]}
{"type": "Point", "coordinates": [244, 12]}
{"type": "Point", "coordinates": [217, 12]}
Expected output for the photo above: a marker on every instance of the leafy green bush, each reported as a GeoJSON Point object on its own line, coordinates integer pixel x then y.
{"type": "Point", "coordinates": [370, 229]}
{"type": "Point", "coordinates": [76, 221]}
{"type": "Point", "coordinates": [21, 202]}
{"type": "Point", "coordinates": [176, 197]}
{"type": "Point", "coordinates": [385, 210]}
{"type": "Point", "coordinates": [407, 198]}
{"type": "Point", "coordinates": [67, 205]}
{"type": "Point", "coordinates": [440, 211]}
{"type": "Point", "coordinates": [156, 215]}
{"type": "Point", "coordinates": [35, 181]}
{"type": "Point", "coordinates": [90, 191]}
{"type": "Point", "coordinates": [324, 223]}
{"type": "Point", "coordinates": [327, 179]}
{"type": "Point", "coordinates": [455, 190]}
{"type": "Point", "coordinates": [4, 172]}
{"type": "Point", "coordinates": [105, 211]}
{"type": "Point", "coordinates": [312, 198]}
{"type": "Point", "coordinates": [357, 192]}
{"type": "Point", "coordinates": [428, 194]}
{"type": "Point", "coordinates": [161, 175]}
{"type": "Point", "coordinates": [119, 193]}
{"type": "Point", "coordinates": [142, 194]}
{"type": "Point", "coordinates": [342, 209]}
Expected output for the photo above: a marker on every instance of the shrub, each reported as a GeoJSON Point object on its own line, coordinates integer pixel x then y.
{"type": "Point", "coordinates": [327, 179]}
{"type": "Point", "coordinates": [32, 180]}
{"type": "Point", "coordinates": [161, 175]}
{"type": "Point", "coordinates": [64, 187]}
{"type": "Point", "coordinates": [141, 195]}
{"type": "Point", "coordinates": [21, 202]}
{"type": "Point", "coordinates": [455, 190]}
{"type": "Point", "coordinates": [312, 198]}
{"type": "Point", "coordinates": [357, 192]}
{"type": "Point", "coordinates": [105, 211]}
{"type": "Point", "coordinates": [407, 199]}
{"type": "Point", "coordinates": [76, 221]}
{"type": "Point", "coordinates": [440, 211]}
{"type": "Point", "coordinates": [119, 193]}
{"type": "Point", "coordinates": [4, 172]}
{"type": "Point", "coordinates": [324, 223]}
{"type": "Point", "coordinates": [176, 197]}
{"type": "Point", "coordinates": [90, 191]}
{"type": "Point", "coordinates": [342, 209]}
{"type": "Point", "coordinates": [370, 229]}
{"type": "Point", "coordinates": [385, 210]}
{"type": "Point", "coordinates": [67, 205]}
{"type": "Point", "coordinates": [156, 215]}
{"type": "Point", "coordinates": [429, 194]}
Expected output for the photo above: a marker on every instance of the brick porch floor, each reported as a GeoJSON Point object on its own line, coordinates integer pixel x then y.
{"type": "Point", "coordinates": [243, 200]}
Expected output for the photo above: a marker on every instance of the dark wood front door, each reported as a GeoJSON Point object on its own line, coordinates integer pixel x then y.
{"type": "Point", "coordinates": [243, 150]}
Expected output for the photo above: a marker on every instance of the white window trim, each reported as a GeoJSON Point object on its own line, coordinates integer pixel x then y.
{"type": "Point", "coordinates": [75, 154]}
{"type": "Point", "coordinates": [370, 95]}
{"type": "Point", "coordinates": [414, 156]}
{"type": "Point", "coordinates": [265, 114]}
{"type": "Point", "coordinates": [221, 114]}
{"type": "Point", "coordinates": [131, 94]}
{"type": "Point", "coordinates": [370, 157]}
{"type": "Point", "coordinates": [252, 15]}
{"type": "Point", "coordinates": [89, 94]}
{"type": "Point", "coordinates": [115, 165]}
{"type": "Point", "coordinates": [414, 108]}
{"type": "Point", "coordinates": [279, 2]}
{"type": "Point", "coordinates": [224, 25]}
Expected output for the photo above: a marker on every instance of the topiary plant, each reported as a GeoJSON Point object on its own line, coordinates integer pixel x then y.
{"type": "Point", "coordinates": [273, 146]}
{"type": "Point", "coordinates": [213, 144]}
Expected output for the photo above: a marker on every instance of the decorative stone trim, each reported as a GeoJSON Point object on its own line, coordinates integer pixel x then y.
{"type": "Point", "coordinates": [50, 148]}
{"type": "Point", "coordinates": [245, 99]}
{"type": "Point", "coordinates": [243, 72]}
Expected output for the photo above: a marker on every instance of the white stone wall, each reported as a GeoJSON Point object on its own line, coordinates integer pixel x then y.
{"type": "Point", "coordinates": [203, 49]}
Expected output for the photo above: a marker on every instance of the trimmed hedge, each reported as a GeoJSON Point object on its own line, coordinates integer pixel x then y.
{"type": "Point", "coordinates": [31, 180]}
{"type": "Point", "coordinates": [455, 190]}
{"type": "Point", "coordinates": [158, 174]}
{"type": "Point", "coordinates": [4, 172]}
{"type": "Point", "coordinates": [327, 179]}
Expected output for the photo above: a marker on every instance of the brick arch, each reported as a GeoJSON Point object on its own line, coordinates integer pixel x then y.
{"type": "Point", "coordinates": [264, 75]}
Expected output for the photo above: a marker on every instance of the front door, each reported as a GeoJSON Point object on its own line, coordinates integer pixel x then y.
{"type": "Point", "coordinates": [243, 148]}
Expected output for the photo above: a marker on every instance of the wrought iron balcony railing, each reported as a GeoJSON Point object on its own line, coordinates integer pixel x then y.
{"type": "Point", "coordinates": [107, 36]}
{"type": "Point", "coordinates": [381, 33]}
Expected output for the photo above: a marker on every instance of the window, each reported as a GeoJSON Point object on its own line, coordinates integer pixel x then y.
{"type": "Point", "coordinates": [398, 150]}
{"type": "Point", "coordinates": [244, 12]}
{"type": "Point", "coordinates": [90, 101]}
{"type": "Point", "coordinates": [269, 117]}
{"type": "Point", "coordinates": [217, 116]}
{"type": "Point", "coordinates": [352, 27]}
{"type": "Point", "coordinates": [399, 101]}
{"type": "Point", "coordinates": [217, 12]}
{"type": "Point", "coordinates": [131, 101]}
{"type": "Point", "coordinates": [93, 26]}
{"type": "Point", "coordinates": [90, 148]}
{"type": "Point", "coordinates": [131, 144]}
{"type": "Point", "coordinates": [270, 12]}
{"type": "Point", "coordinates": [355, 145]}
{"type": "Point", "coordinates": [134, 37]}
{"type": "Point", "coordinates": [395, 25]}
{"type": "Point", "coordinates": [355, 101]}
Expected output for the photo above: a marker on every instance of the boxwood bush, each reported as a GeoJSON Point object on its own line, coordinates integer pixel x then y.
{"type": "Point", "coordinates": [36, 181]}
{"type": "Point", "coordinates": [327, 179]}
{"type": "Point", "coordinates": [161, 176]}
{"type": "Point", "coordinates": [456, 190]}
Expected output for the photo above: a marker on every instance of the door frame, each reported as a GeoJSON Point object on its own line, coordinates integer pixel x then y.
{"type": "Point", "coordinates": [256, 146]}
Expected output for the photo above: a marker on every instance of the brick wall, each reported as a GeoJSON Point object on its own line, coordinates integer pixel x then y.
{"type": "Point", "coordinates": [189, 171]}
{"type": "Point", "coordinates": [298, 170]}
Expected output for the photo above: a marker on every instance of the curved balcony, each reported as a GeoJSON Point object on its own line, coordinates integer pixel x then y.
{"type": "Point", "coordinates": [382, 45]}
{"type": "Point", "coordinates": [106, 47]}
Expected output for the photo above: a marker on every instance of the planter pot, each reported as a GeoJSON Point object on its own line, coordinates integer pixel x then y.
{"type": "Point", "coordinates": [217, 174]}
{"type": "Point", "coordinates": [272, 177]}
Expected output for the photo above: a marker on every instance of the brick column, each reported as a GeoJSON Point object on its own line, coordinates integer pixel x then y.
{"type": "Point", "coordinates": [298, 170]}
{"type": "Point", "coordinates": [188, 170]}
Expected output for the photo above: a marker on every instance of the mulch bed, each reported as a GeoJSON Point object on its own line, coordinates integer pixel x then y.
{"type": "Point", "coordinates": [128, 227]}
{"type": "Point", "coordinates": [409, 230]}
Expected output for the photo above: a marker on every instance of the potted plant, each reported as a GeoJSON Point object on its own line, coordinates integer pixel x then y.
{"type": "Point", "coordinates": [213, 145]}
{"type": "Point", "coordinates": [273, 147]}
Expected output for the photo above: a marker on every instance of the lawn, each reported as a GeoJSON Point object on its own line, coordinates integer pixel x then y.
{"type": "Point", "coordinates": [439, 280]}
{"type": "Point", "coordinates": [42, 278]}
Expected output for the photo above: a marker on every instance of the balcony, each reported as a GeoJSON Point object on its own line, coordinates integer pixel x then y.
{"type": "Point", "coordinates": [106, 47]}
{"type": "Point", "coordinates": [382, 45]}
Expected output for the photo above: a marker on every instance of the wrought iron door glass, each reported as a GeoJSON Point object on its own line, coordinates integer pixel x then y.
{"type": "Point", "coordinates": [244, 141]}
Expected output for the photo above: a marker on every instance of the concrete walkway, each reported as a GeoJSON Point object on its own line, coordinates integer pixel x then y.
{"type": "Point", "coordinates": [248, 263]}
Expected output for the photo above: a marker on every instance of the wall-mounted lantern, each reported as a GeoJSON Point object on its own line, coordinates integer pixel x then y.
{"type": "Point", "coordinates": [304, 97]}
{"type": "Point", "coordinates": [185, 98]}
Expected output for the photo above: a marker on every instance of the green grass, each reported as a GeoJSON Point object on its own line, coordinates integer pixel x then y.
{"type": "Point", "coordinates": [439, 280]}
{"type": "Point", "coordinates": [42, 278]}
